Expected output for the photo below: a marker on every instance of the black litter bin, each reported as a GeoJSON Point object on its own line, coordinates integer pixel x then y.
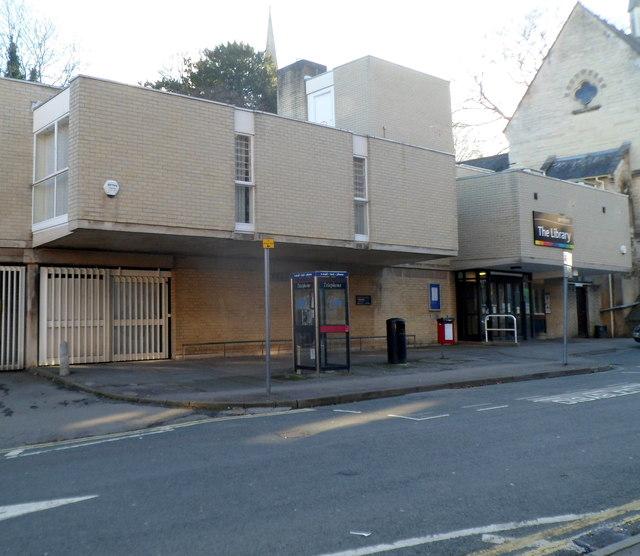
{"type": "Point", "coordinates": [600, 332]}
{"type": "Point", "coordinates": [396, 341]}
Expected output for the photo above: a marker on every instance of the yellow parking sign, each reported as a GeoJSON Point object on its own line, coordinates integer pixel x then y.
{"type": "Point", "coordinates": [268, 243]}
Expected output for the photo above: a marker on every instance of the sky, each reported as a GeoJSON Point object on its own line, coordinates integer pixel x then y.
{"type": "Point", "coordinates": [131, 41]}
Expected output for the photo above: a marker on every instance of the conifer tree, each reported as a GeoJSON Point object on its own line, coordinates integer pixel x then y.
{"type": "Point", "coordinates": [14, 67]}
{"type": "Point", "coordinates": [233, 73]}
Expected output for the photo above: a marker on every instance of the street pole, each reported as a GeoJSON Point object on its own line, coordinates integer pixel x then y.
{"type": "Point", "coordinates": [567, 267]}
{"type": "Point", "coordinates": [565, 312]}
{"type": "Point", "coordinates": [267, 244]}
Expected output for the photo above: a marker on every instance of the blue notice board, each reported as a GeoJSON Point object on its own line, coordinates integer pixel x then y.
{"type": "Point", "coordinates": [434, 297]}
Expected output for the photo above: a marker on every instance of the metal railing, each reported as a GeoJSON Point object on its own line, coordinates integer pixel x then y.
{"type": "Point", "coordinates": [513, 328]}
{"type": "Point", "coordinates": [224, 345]}
{"type": "Point", "coordinates": [279, 343]}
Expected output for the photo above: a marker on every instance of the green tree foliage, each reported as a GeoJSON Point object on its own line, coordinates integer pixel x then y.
{"type": "Point", "coordinates": [14, 67]}
{"type": "Point", "coordinates": [233, 73]}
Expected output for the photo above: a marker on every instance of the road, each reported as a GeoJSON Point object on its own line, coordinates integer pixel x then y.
{"type": "Point", "coordinates": [445, 473]}
{"type": "Point", "coordinates": [34, 410]}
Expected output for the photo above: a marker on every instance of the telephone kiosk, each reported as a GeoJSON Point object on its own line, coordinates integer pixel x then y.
{"type": "Point", "coordinates": [320, 303]}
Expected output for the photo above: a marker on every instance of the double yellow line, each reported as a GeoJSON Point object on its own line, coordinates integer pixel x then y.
{"type": "Point", "coordinates": [566, 531]}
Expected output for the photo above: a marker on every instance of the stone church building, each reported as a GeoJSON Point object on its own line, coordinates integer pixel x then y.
{"type": "Point", "coordinates": [579, 120]}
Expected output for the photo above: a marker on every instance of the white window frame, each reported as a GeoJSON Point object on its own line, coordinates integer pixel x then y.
{"type": "Point", "coordinates": [321, 99]}
{"type": "Point", "coordinates": [244, 184]}
{"type": "Point", "coordinates": [361, 201]}
{"type": "Point", "coordinates": [56, 175]}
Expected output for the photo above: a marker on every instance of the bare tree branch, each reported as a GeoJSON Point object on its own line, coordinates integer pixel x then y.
{"type": "Point", "coordinates": [43, 57]}
{"type": "Point", "coordinates": [513, 67]}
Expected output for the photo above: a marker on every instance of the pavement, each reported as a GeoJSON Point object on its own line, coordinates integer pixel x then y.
{"type": "Point", "coordinates": [219, 383]}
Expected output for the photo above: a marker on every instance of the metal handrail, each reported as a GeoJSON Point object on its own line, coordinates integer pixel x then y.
{"type": "Point", "coordinates": [513, 329]}
{"type": "Point", "coordinates": [262, 343]}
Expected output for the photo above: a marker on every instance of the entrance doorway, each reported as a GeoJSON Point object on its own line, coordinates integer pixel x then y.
{"type": "Point", "coordinates": [582, 312]}
{"type": "Point", "coordinates": [483, 292]}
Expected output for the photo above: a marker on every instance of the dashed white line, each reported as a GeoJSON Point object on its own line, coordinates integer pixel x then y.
{"type": "Point", "coordinates": [492, 408]}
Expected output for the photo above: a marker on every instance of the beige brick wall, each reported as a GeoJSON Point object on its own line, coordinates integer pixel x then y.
{"type": "Point", "coordinates": [383, 99]}
{"type": "Point", "coordinates": [16, 146]}
{"type": "Point", "coordinates": [496, 220]}
{"type": "Point", "coordinates": [598, 235]}
{"type": "Point", "coordinates": [174, 160]}
{"type": "Point", "coordinates": [304, 179]}
{"type": "Point", "coordinates": [412, 195]}
{"type": "Point", "coordinates": [487, 217]}
{"type": "Point", "coordinates": [404, 293]}
{"type": "Point", "coordinates": [555, 319]}
{"type": "Point", "coordinates": [171, 155]}
{"type": "Point", "coordinates": [216, 305]}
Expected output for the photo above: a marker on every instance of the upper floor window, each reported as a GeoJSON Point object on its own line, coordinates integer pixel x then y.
{"type": "Point", "coordinates": [360, 199]}
{"type": "Point", "coordinates": [244, 183]}
{"type": "Point", "coordinates": [50, 176]}
{"type": "Point", "coordinates": [243, 159]}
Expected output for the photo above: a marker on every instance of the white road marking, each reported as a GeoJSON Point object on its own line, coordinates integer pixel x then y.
{"type": "Point", "coordinates": [421, 418]}
{"type": "Point", "coordinates": [427, 539]}
{"type": "Point", "coordinates": [492, 408]}
{"type": "Point", "coordinates": [573, 398]}
{"type": "Point", "coordinates": [496, 539]}
{"type": "Point", "coordinates": [81, 444]}
{"type": "Point", "coordinates": [100, 439]}
{"type": "Point", "coordinates": [346, 411]}
{"type": "Point", "coordinates": [7, 512]}
{"type": "Point", "coordinates": [476, 405]}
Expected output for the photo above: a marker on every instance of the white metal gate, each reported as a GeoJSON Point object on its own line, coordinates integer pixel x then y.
{"type": "Point", "coordinates": [104, 315]}
{"type": "Point", "coordinates": [140, 311]}
{"type": "Point", "coordinates": [74, 307]}
{"type": "Point", "coordinates": [12, 299]}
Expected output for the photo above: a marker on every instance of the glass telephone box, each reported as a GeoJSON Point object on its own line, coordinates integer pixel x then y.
{"type": "Point", "coordinates": [320, 303]}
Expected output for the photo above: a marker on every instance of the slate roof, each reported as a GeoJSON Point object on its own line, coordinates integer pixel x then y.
{"type": "Point", "coordinates": [496, 163]}
{"type": "Point", "coordinates": [587, 165]}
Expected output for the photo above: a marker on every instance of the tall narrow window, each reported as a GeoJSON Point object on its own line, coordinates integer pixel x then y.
{"type": "Point", "coordinates": [50, 176]}
{"type": "Point", "coordinates": [244, 184]}
{"type": "Point", "coordinates": [360, 199]}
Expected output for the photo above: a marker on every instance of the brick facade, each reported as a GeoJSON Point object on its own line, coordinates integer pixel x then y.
{"type": "Point", "coordinates": [17, 99]}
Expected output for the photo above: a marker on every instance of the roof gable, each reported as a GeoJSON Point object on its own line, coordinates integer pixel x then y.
{"type": "Point", "coordinates": [579, 11]}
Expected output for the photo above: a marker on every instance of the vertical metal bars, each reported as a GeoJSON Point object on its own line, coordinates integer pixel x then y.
{"type": "Point", "coordinates": [74, 307]}
{"type": "Point", "coordinates": [12, 307]}
{"type": "Point", "coordinates": [104, 315]}
{"type": "Point", "coordinates": [140, 309]}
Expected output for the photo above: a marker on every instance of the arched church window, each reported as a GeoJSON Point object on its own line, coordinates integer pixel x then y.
{"type": "Point", "coordinates": [586, 92]}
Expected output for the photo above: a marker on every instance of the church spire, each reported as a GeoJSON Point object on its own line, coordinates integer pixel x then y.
{"type": "Point", "coordinates": [271, 43]}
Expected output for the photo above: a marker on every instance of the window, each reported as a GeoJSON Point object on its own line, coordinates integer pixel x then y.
{"type": "Point", "coordinates": [51, 180]}
{"type": "Point", "coordinates": [244, 184]}
{"type": "Point", "coordinates": [360, 199]}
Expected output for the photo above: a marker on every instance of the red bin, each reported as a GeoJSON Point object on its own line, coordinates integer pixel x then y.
{"type": "Point", "coordinates": [445, 331]}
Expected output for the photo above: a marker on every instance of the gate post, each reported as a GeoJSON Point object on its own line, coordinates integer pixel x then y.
{"type": "Point", "coordinates": [31, 317]}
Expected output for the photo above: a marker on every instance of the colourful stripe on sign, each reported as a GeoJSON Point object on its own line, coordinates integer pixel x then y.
{"type": "Point", "coordinates": [552, 244]}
